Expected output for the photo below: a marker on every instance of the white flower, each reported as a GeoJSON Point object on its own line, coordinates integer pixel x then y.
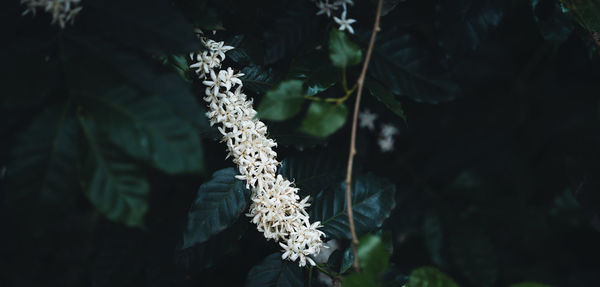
{"type": "Point", "coordinates": [386, 144]}
{"type": "Point", "coordinates": [343, 3]}
{"type": "Point", "coordinates": [326, 8]}
{"type": "Point", "coordinates": [63, 11]}
{"type": "Point", "coordinates": [344, 23]}
{"type": "Point", "coordinates": [366, 119]}
{"type": "Point", "coordinates": [276, 207]}
{"type": "Point", "coordinates": [388, 131]}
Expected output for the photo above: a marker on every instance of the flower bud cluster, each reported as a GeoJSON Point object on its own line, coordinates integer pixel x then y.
{"type": "Point", "coordinates": [276, 208]}
{"type": "Point", "coordinates": [63, 11]}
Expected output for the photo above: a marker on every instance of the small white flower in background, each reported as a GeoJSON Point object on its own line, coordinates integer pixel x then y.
{"type": "Point", "coordinates": [366, 119]}
{"type": "Point", "coordinates": [276, 207]}
{"type": "Point", "coordinates": [63, 11]}
{"type": "Point", "coordinates": [388, 130]}
{"type": "Point", "coordinates": [326, 8]}
{"type": "Point", "coordinates": [386, 144]}
{"type": "Point", "coordinates": [344, 23]}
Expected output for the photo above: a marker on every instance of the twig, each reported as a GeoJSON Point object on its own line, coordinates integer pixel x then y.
{"type": "Point", "coordinates": [360, 82]}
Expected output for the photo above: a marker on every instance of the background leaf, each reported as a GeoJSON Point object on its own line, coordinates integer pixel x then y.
{"type": "Point", "coordinates": [323, 119]}
{"type": "Point", "coordinates": [313, 171]}
{"type": "Point", "coordinates": [429, 277]}
{"type": "Point", "coordinates": [282, 102]}
{"type": "Point", "coordinates": [219, 203]}
{"type": "Point", "coordinates": [386, 97]}
{"type": "Point", "coordinates": [342, 52]}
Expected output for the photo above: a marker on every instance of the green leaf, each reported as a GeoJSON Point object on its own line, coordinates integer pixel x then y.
{"type": "Point", "coordinates": [343, 52]}
{"type": "Point", "coordinates": [429, 277]}
{"type": "Point", "coordinates": [372, 255]}
{"type": "Point", "coordinates": [41, 174]}
{"type": "Point", "coordinates": [433, 232]}
{"type": "Point", "coordinates": [402, 64]}
{"type": "Point", "coordinates": [585, 12]}
{"type": "Point", "coordinates": [113, 183]}
{"type": "Point", "coordinates": [372, 202]}
{"type": "Point", "coordinates": [323, 119]}
{"type": "Point", "coordinates": [257, 78]}
{"type": "Point", "coordinates": [359, 280]}
{"type": "Point", "coordinates": [274, 272]}
{"type": "Point", "coordinates": [313, 172]}
{"type": "Point", "coordinates": [282, 102]}
{"type": "Point", "coordinates": [341, 260]}
{"type": "Point", "coordinates": [315, 70]}
{"type": "Point", "coordinates": [386, 97]}
{"type": "Point", "coordinates": [528, 284]}
{"type": "Point", "coordinates": [218, 204]}
{"type": "Point", "coordinates": [154, 25]}
{"type": "Point", "coordinates": [147, 129]}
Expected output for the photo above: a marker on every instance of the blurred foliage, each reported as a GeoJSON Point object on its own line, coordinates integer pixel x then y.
{"type": "Point", "coordinates": [106, 155]}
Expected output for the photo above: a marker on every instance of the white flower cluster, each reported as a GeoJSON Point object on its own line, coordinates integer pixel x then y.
{"type": "Point", "coordinates": [386, 136]}
{"type": "Point", "coordinates": [327, 7]}
{"type": "Point", "coordinates": [63, 11]}
{"type": "Point", "coordinates": [276, 208]}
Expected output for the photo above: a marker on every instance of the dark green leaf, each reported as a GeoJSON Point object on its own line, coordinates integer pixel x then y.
{"type": "Point", "coordinates": [341, 260]}
{"type": "Point", "coordinates": [282, 102]}
{"type": "Point", "coordinates": [154, 25]}
{"type": "Point", "coordinates": [434, 237]}
{"type": "Point", "coordinates": [402, 64]}
{"type": "Point", "coordinates": [257, 78]}
{"type": "Point", "coordinates": [585, 12]}
{"type": "Point", "coordinates": [553, 24]}
{"type": "Point", "coordinates": [429, 277]}
{"type": "Point", "coordinates": [218, 204]}
{"type": "Point", "coordinates": [343, 52]}
{"type": "Point", "coordinates": [210, 252]}
{"type": "Point", "coordinates": [474, 255]}
{"type": "Point", "coordinates": [200, 14]}
{"type": "Point", "coordinates": [386, 97]}
{"type": "Point", "coordinates": [147, 129]}
{"type": "Point", "coordinates": [360, 280]}
{"type": "Point", "coordinates": [315, 70]}
{"type": "Point", "coordinates": [274, 272]}
{"type": "Point", "coordinates": [248, 50]}
{"type": "Point", "coordinates": [323, 119]}
{"type": "Point", "coordinates": [372, 202]}
{"type": "Point", "coordinates": [313, 172]}
{"type": "Point", "coordinates": [42, 172]}
{"type": "Point", "coordinates": [463, 24]}
{"type": "Point", "coordinates": [114, 184]}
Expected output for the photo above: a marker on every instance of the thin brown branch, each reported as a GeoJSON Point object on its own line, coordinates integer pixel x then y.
{"type": "Point", "coordinates": [360, 82]}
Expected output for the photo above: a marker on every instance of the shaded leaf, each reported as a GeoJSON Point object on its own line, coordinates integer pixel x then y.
{"type": "Point", "coordinates": [528, 284]}
{"type": "Point", "coordinates": [372, 255]}
{"type": "Point", "coordinates": [219, 203]}
{"type": "Point", "coordinates": [313, 172]}
{"type": "Point", "coordinates": [553, 24]}
{"type": "Point", "coordinates": [257, 78]}
{"type": "Point", "coordinates": [315, 69]}
{"type": "Point", "coordinates": [386, 97]}
{"type": "Point", "coordinates": [359, 280]}
{"type": "Point", "coordinates": [113, 183]}
{"type": "Point", "coordinates": [273, 271]}
{"type": "Point", "coordinates": [474, 255]}
{"type": "Point", "coordinates": [372, 202]}
{"type": "Point", "coordinates": [282, 102]}
{"type": "Point", "coordinates": [429, 277]}
{"type": "Point", "coordinates": [323, 119]}
{"type": "Point", "coordinates": [343, 52]}
{"type": "Point", "coordinates": [403, 65]}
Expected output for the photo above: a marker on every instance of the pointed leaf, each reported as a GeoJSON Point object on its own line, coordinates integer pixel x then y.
{"type": "Point", "coordinates": [323, 119]}
{"type": "Point", "coordinates": [386, 97]}
{"type": "Point", "coordinates": [313, 172]}
{"type": "Point", "coordinates": [218, 204]}
{"type": "Point", "coordinates": [372, 202]}
{"type": "Point", "coordinates": [274, 272]}
{"type": "Point", "coordinates": [429, 277]}
{"type": "Point", "coordinates": [257, 78]}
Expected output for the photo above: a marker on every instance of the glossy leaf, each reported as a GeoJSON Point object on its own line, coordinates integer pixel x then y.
{"type": "Point", "coordinates": [386, 97]}
{"type": "Point", "coordinates": [219, 203]}
{"type": "Point", "coordinates": [113, 183]}
{"type": "Point", "coordinates": [372, 202]}
{"type": "Point", "coordinates": [324, 119]}
{"type": "Point", "coordinates": [429, 277]}
{"type": "Point", "coordinates": [402, 64]}
{"type": "Point", "coordinates": [258, 79]}
{"type": "Point", "coordinates": [313, 172]}
{"type": "Point", "coordinates": [274, 272]}
{"type": "Point", "coordinates": [282, 102]}
{"type": "Point", "coordinates": [343, 52]}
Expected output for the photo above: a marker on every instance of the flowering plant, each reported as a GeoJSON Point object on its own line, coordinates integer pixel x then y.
{"type": "Point", "coordinates": [299, 143]}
